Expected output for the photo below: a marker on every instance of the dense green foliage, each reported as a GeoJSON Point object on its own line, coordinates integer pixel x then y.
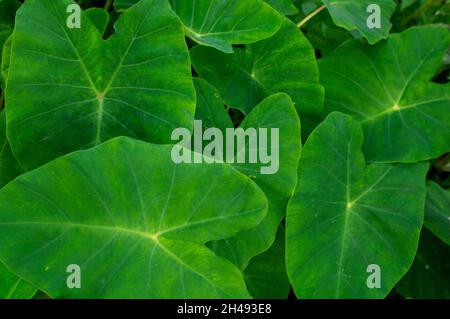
{"type": "Point", "coordinates": [359, 206]}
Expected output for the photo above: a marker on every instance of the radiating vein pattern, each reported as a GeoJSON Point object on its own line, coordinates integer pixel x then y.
{"type": "Point", "coordinates": [405, 117]}
{"type": "Point", "coordinates": [346, 216]}
{"type": "Point", "coordinates": [137, 83]}
{"type": "Point", "coordinates": [131, 227]}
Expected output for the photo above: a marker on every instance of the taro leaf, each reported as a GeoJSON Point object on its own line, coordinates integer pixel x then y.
{"type": "Point", "coordinates": [8, 10]}
{"type": "Point", "coordinates": [387, 89]}
{"type": "Point", "coordinates": [133, 221]}
{"type": "Point", "coordinates": [12, 287]}
{"type": "Point", "coordinates": [352, 15]}
{"type": "Point", "coordinates": [99, 17]}
{"type": "Point", "coordinates": [276, 111]}
{"type": "Point", "coordinates": [429, 276]}
{"type": "Point", "coordinates": [284, 63]}
{"type": "Point", "coordinates": [265, 275]}
{"type": "Point", "coordinates": [346, 216]}
{"type": "Point", "coordinates": [137, 83]}
{"type": "Point", "coordinates": [222, 23]}
{"type": "Point", "coordinates": [437, 211]}
{"type": "Point", "coordinates": [9, 168]}
{"type": "Point", "coordinates": [285, 7]}
{"type": "Point", "coordinates": [210, 107]}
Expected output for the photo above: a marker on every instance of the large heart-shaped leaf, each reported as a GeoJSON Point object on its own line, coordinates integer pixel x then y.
{"type": "Point", "coordinates": [276, 111]}
{"type": "Point", "coordinates": [137, 83]}
{"type": "Point", "coordinates": [8, 10]}
{"type": "Point", "coordinates": [284, 63]}
{"type": "Point", "coordinates": [437, 211]}
{"type": "Point", "coordinates": [12, 287]}
{"type": "Point", "coordinates": [429, 276]}
{"type": "Point", "coordinates": [405, 117]}
{"type": "Point", "coordinates": [222, 23]}
{"type": "Point", "coordinates": [134, 221]}
{"type": "Point", "coordinates": [265, 275]}
{"type": "Point", "coordinates": [346, 216]}
{"type": "Point", "coordinates": [353, 14]}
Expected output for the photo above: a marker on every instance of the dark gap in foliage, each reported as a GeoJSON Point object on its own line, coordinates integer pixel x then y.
{"type": "Point", "coordinates": [190, 43]}
{"type": "Point", "coordinates": [194, 73]}
{"type": "Point", "coordinates": [318, 54]}
{"type": "Point", "coordinates": [113, 16]}
{"type": "Point", "coordinates": [236, 116]}
{"type": "Point", "coordinates": [443, 75]}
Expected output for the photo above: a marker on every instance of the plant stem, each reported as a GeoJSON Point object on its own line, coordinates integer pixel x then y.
{"type": "Point", "coordinates": [108, 4]}
{"type": "Point", "coordinates": [310, 16]}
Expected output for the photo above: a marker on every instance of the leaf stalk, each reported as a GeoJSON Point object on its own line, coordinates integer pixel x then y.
{"type": "Point", "coordinates": [310, 16]}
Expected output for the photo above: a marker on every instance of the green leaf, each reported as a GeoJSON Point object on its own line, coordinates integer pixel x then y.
{"type": "Point", "coordinates": [352, 15]}
{"type": "Point", "coordinates": [12, 287]}
{"type": "Point", "coordinates": [276, 111]}
{"type": "Point", "coordinates": [266, 276]}
{"type": "Point", "coordinates": [321, 31]}
{"type": "Point", "coordinates": [6, 57]}
{"type": "Point", "coordinates": [121, 5]}
{"type": "Point", "coordinates": [437, 211]}
{"type": "Point", "coordinates": [222, 23]}
{"type": "Point", "coordinates": [99, 17]}
{"type": "Point", "coordinates": [8, 10]}
{"type": "Point", "coordinates": [387, 88]}
{"type": "Point", "coordinates": [285, 7]}
{"type": "Point", "coordinates": [284, 63]}
{"type": "Point", "coordinates": [346, 216]}
{"type": "Point", "coordinates": [210, 107]}
{"type": "Point", "coordinates": [137, 83]}
{"type": "Point", "coordinates": [134, 221]}
{"type": "Point", "coordinates": [9, 168]}
{"type": "Point", "coordinates": [429, 276]}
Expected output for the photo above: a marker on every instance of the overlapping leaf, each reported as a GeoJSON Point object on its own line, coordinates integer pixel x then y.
{"type": "Point", "coordinates": [265, 275]}
{"type": "Point", "coordinates": [353, 14]}
{"type": "Point", "coordinates": [99, 18]}
{"type": "Point", "coordinates": [9, 168]}
{"type": "Point", "coordinates": [276, 111]}
{"type": "Point", "coordinates": [10, 285]}
{"type": "Point", "coordinates": [429, 276]}
{"type": "Point", "coordinates": [284, 63]}
{"type": "Point", "coordinates": [437, 211]}
{"type": "Point", "coordinates": [346, 216]}
{"type": "Point", "coordinates": [388, 89]}
{"type": "Point", "coordinates": [133, 221]}
{"type": "Point", "coordinates": [222, 23]}
{"type": "Point", "coordinates": [8, 10]}
{"type": "Point", "coordinates": [137, 83]}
